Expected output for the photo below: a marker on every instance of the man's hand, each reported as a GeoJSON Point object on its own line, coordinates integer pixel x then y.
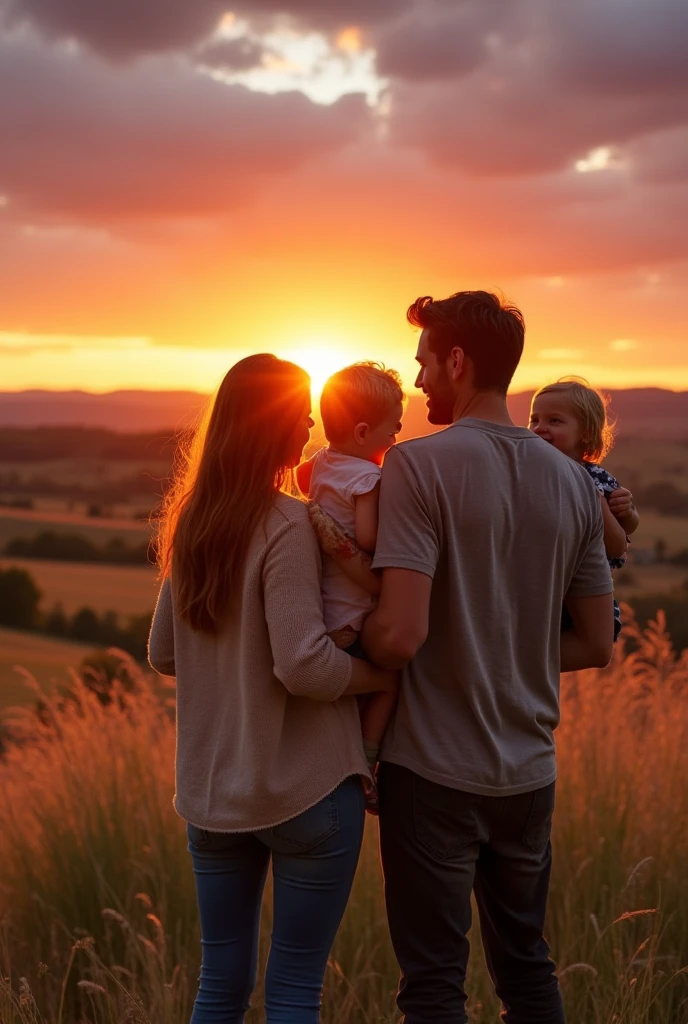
{"type": "Point", "coordinates": [621, 502]}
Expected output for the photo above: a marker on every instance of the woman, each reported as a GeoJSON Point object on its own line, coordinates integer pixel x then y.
{"type": "Point", "coordinates": [269, 749]}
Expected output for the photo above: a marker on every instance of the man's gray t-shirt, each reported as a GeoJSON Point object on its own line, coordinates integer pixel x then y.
{"type": "Point", "coordinates": [506, 526]}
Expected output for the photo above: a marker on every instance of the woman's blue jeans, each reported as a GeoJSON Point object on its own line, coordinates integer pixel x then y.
{"type": "Point", "coordinates": [314, 859]}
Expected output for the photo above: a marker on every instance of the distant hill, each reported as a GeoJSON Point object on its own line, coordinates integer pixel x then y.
{"type": "Point", "coordinates": [647, 413]}
{"type": "Point", "coordinates": [650, 413]}
{"type": "Point", "coordinates": [128, 412]}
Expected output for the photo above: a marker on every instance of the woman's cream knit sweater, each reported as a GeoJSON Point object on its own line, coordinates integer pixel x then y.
{"type": "Point", "coordinates": [263, 732]}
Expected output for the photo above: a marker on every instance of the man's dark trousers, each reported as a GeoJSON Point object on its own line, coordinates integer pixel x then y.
{"type": "Point", "coordinates": [438, 844]}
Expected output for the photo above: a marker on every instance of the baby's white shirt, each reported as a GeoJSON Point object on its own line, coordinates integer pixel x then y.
{"type": "Point", "coordinates": [336, 481]}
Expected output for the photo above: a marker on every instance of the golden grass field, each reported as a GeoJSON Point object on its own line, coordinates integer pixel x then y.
{"type": "Point", "coordinates": [48, 660]}
{"type": "Point", "coordinates": [96, 891]}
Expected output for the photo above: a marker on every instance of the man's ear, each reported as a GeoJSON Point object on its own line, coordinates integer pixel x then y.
{"type": "Point", "coordinates": [361, 433]}
{"type": "Point", "coordinates": [457, 362]}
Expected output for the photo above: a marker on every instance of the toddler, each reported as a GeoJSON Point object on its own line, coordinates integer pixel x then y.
{"type": "Point", "coordinates": [361, 408]}
{"type": "Point", "coordinates": [573, 417]}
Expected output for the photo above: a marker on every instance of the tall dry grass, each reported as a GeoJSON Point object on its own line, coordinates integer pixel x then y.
{"type": "Point", "coordinates": [96, 893]}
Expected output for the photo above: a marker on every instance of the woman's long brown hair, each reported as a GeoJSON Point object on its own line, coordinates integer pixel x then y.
{"type": "Point", "coordinates": [225, 483]}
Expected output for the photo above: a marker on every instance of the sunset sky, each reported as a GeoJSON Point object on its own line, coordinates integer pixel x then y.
{"type": "Point", "coordinates": [182, 183]}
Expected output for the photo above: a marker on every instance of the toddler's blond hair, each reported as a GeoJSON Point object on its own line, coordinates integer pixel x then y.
{"type": "Point", "coordinates": [591, 409]}
{"type": "Point", "coordinates": [361, 393]}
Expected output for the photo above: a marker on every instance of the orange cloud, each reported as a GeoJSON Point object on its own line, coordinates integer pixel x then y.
{"type": "Point", "coordinates": [142, 197]}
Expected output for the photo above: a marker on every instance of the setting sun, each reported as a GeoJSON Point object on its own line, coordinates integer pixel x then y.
{"type": "Point", "coordinates": [320, 362]}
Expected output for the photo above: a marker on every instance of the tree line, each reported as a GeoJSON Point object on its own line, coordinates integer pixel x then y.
{"type": "Point", "coordinates": [74, 547]}
{"type": "Point", "coordinates": [20, 608]}
{"type": "Point", "coordinates": [20, 600]}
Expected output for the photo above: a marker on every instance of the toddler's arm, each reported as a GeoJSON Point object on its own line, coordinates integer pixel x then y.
{"type": "Point", "coordinates": [615, 543]}
{"type": "Point", "coordinates": [367, 518]}
{"type": "Point", "coordinates": [343, 550]}
{"type": "Point", "coordinates": [621, 505]}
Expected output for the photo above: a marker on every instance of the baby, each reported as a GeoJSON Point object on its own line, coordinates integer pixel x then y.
{"type": "Point", "coordinates": [572, 416]}
{"type": "Point", "coordinates": [361, 409]}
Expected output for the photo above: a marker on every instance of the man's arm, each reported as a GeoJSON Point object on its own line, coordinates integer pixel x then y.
{"type": "Point", "coordinates": [589, 644]}
{"type": "Point", "coordinates": [397, 629]}
{"type": "Point", "coordinates": [407, 552]}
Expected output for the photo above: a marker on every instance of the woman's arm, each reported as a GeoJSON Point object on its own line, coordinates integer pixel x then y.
{"type": "Point", "coordinates": [344, 550]}
{"type": "Point", "coordinates": [615, 542]}
{"type": "Point", "coordinates": [367, 678]}
{"type": "Point", "coordinates": [161, 639]}
{"type": "Point", "coordinates": [305, 659]}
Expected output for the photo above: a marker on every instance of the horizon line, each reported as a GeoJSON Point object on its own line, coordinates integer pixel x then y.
{"type": "Point", "coordinates": [208, 394]}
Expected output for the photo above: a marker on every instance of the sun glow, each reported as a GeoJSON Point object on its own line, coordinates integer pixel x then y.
{"type": "Point", "coordinates": [320, 362]}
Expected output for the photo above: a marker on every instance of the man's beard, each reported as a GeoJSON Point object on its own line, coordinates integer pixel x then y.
{"type": "Point", "coordinates": [441, 406]}
{"type": "Point", "coordinates": [439, 413]}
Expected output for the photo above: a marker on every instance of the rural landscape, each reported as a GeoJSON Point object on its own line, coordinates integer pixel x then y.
{"type": "Point", "coordinates": [78, 505]}
{"type": "Point", "coordinates": [98, 917]}
{"type": "Point", "coordinates": [470, 193]}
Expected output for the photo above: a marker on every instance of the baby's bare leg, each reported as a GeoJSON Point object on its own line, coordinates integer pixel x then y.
{"type": "Point", "coordinates": [376, 715]}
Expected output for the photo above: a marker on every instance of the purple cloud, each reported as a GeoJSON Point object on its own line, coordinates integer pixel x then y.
{"type": "Point", "coordinates": [85, 140]}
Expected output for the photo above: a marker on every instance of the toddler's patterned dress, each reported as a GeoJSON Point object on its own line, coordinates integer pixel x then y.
{"type": "Point", "coordinates": [605, 484]}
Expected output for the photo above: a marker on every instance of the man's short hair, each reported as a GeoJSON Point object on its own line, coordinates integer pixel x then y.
{"type": "Point", "coordinates": [361, 393]}
{"type": "Point", "coordinates": [489, 330]}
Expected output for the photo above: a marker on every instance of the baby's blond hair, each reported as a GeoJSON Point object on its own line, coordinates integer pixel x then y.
{"type": "Point", "coordinates": [591, 409]}
{"type": "Point", "coordinates": [361, 393]}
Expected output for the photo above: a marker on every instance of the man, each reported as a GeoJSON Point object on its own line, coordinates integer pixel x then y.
{"type": "Point", "coordinates": [485, 532]}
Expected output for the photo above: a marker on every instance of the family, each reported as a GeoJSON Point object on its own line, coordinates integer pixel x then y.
{"type": "Point", "coordinates": [421, 683]}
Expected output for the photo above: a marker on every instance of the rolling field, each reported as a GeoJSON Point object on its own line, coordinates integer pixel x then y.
{"type": "Point", "coordinates": [653, 527]}
{"type": "Point", "coordinates": [639, 580]}
{"type": "Point", "coordinates": [125, 589]}
{"type": "Point", "coordinates": [83, 471]}
{"type": "Point", "coordinates": [46, 658]}
{"type": "Point", "coordinates": [646, 462]}
{"type": "Point", "coordinates": [20, 523]}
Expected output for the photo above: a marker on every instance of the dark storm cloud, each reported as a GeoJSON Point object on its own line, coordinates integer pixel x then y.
{"type": "Point", "coordinates": [83, 139]}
